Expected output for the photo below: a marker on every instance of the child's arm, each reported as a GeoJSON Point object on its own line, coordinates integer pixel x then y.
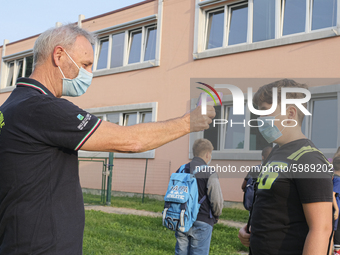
{"type": "Point", "coordinates": [335, 206]}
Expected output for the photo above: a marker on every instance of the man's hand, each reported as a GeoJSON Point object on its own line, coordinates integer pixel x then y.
{"type": "Point", "coordinates": [199, 122]}
{"type": "Point", "coordinates": [244, 236]}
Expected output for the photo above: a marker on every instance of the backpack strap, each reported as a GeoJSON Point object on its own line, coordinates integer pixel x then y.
{"type": "Point", "coordinates": [182, 169]}
{"type": "Point", "coordinates": [251, 210]}
{"type": "Point", "coordinates": [183, 208]}
{"type": "Point", "coordinates": [202, 199]}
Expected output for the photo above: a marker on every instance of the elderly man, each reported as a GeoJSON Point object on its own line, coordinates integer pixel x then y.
{"type": "Point", "coordinates": [41, 205]}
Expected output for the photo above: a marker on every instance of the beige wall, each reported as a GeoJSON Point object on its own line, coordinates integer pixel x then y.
{"type": "Point", "coordinates": [169, 83]}
{"type": "Point", "coordinates": [19, 46]}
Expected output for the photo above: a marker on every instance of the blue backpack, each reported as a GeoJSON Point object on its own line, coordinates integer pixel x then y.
{"type": "Point", "coordinates": [181, 201]}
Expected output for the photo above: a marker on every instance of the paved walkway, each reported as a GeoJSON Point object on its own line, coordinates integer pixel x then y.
{"type": "Point", "coordinates": [120, 210]}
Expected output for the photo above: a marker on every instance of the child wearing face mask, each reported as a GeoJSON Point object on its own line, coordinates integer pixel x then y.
{"type": "Point", "coordinates": [292, 212]}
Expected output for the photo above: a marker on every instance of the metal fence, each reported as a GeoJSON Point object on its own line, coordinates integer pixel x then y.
{"type": "Point", "coordinates": [141, 177]}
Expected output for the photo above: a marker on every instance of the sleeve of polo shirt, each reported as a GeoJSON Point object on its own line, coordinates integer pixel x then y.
{"type": "Point", "coordinates": [58, 122]}
{"type": "Point", "coordinates": [314, 186]}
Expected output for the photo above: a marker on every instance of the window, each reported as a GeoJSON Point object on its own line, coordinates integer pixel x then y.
{"type": "Point", "coordinates": [294, 16]}
{"type": "Point", "coordinates": [117, 52]}
{"type": "Point", "coordinates": [125, 115]}
{"type": "Point", "coordinates": [150, 46]}
{"type": "Point", "coordinates": [125, 48]}
{"type": "Point", "coordinates": [135, 46]}
{"type": "Point", "coordinates": [238, 24]}
{"type": "Point", "coordinates": [145, 117]}
{"type": "Point", "coordinates": [103, 52]}
{"type": "Point", "coordinates": [264, 20]}
{"type": "Point", "coordinates": [230, 27]}
{"type": "Point", "coordinates": [15, 69]}
{"type": "Point", "coordinates": [133, 118]}
{"type": "Point", "coordinates": [215, 29]}
{"type": "Point", "coordinates": [128, 118]}
{"type": "Point", "coordinates": [235, 134]}
{"type": "Point", "coordinates": [324, 126]}
{"type": "Point", "coordinates": [324, 13]}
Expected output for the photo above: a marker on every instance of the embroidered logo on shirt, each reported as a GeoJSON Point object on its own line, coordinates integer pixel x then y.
{"type": "Point", "coordinates": [84, 121]}
{"type": "Point", "coordinates": [2, 121]}
{"type": "Point", "coordinates": [80, 117]}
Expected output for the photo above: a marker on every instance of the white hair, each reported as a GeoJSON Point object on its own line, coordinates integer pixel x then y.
{"type": "Point", "coordinates": [64, 36]}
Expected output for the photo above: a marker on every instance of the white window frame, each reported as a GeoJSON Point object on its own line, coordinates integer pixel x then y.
{"type": "Point", "coordinates": [319, 92]}
{"type": "Point", "coordinates": [200, 29]}
{"type": "Point", "coordinates": [141, 57]}
{"type": "Point", "coordinates": [138, 116]}
{"type": "Point", "coordinates": [207, 13]}
{"type": "Point", "coordinates": [144, 42]}
{"type": "Point", "coordinates": [144, 24]}
{"type": "Point", "coordinates": [323, 93]}
{"type": "Point", "coordinates": [121, 110]}
{"type": "Point", "coordinates": [5, 68]}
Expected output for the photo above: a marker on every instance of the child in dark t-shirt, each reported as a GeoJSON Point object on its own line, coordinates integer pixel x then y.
{"type": "Point", "coordinates": [293, 203]}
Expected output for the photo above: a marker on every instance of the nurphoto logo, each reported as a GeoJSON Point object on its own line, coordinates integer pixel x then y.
{"type": "Point", "coordinates": [239, 102]}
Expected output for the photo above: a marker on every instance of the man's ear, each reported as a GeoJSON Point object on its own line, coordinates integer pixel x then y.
{"type": "Point", "coordinates": [57, 55]}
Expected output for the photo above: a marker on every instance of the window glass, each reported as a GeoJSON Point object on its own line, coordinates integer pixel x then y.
{"type": "Point", "coordinates": [103, 53]}
{"type": "Point", "coordinates": [294, 17]}
{"type": "Point", "coordinates": [19, 67]}
{"type": "Point", "coordinates": [324, 123]}
{"type": "Point", "coordinates": [10, 74]}
{"type": "Point", "coordinates": [113, 118]}
{"type": "Point", "coordinates": [117, 52]}
{"type": "Point", "coordinates": [135, 46]}
{"type": "Point", "coordinates": [264, 20]}
{"type": "Point", "coordinates": [213, 133]}
{"type": "Point", "coordinates": [238, 25]}
{"type": "Point", "coordinates": [150, 48]}
{"type": "Point", "coordinates": [29, 66]}
{"type": "Point", "coordinates": [145, 117]}
{"type": "Point", "coordinates": [215, 29]}
{"type": "Point", "coordinates": [257, 142]}
{"type": "Point", "coordinates": [130, 119]}
{"type": "Point", "coordinates": [324, 13]}
{"type": "Point", "coordinates": [235, 130]}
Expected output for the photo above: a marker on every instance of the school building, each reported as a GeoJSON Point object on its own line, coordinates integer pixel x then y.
{"type": "Point", "coordinates": [149, 57]}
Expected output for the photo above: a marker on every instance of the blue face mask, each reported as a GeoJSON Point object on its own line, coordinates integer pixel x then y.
{"type": "Point", "coordinates": [77, 86]}
{"type": "Point", "coordinates": [269, 131]}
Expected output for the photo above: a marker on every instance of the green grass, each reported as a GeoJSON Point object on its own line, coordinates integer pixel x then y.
{"type": "Point", "coordinates": [113, 234]}
{"type": "Point", "coordinates": [235, 215]}
{"type": "Point", "coordinates": [154, 205]}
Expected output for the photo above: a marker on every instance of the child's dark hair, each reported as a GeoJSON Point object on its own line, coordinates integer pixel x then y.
{"type": "Point", "coordinates": [336, 163]}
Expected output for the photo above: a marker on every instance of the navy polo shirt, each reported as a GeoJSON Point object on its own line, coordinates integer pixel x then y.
{"type": "Point", "coordinates": [41, 202]}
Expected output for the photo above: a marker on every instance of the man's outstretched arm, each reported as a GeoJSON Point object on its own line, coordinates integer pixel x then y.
{"type": "Point", "coordinates": [147, 136]}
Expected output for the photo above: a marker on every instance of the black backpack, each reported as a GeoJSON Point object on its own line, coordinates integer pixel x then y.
{"type": "Point", "coordinates": [248, 196]}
